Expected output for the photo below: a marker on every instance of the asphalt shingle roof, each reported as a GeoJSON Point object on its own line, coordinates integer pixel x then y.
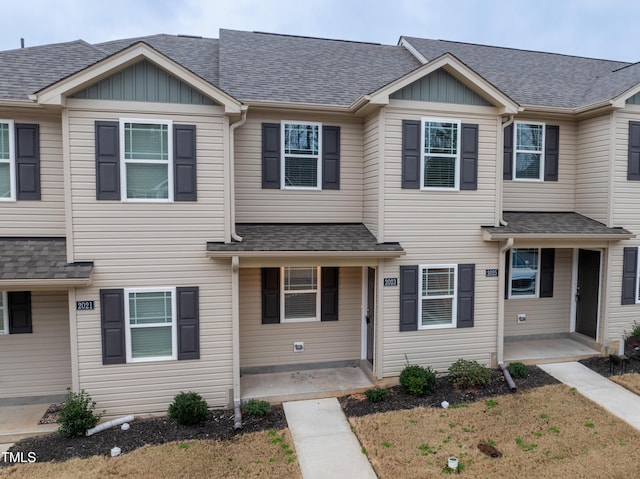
{"type": "Point", "coordinates": [40, 259]}
{"type": "Point", "coordinates": [305, 237]}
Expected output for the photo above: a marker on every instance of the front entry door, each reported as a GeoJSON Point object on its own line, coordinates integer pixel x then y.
{"type": "Point", "coordinates": [588, 292]}
{"type": "Point", "coordinates": [371, 316]}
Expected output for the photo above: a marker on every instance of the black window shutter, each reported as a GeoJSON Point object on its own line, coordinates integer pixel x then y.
{"type": "Point", "coordinates": [329, 294]}
{"type": "Point", "coordinates": [19, 305]}
{"type": "Point", "coordinates": [184, 167]}
{"type": "Point", "coordinates": [633, 165]}
{"type": "Point", "coordinates": [466, 291]}
{"type": "Point", "coordinates": [547, 263]}
{"type": "Point", "coordinates": [271, 155]}
{"type": "Point", "coordinates": [27, 161]}
{"type": "Point", "coordinates": [629, 274]}
{"type": "Point", "coordinates": [112, 322]}
{"type": "Point", "coordinates": [188, 323]}
{"type": "Point", "coordinates": [107, 160]}
{"type": "Point", "coordinates": [551, 152]}
{"type": "Point", "coordinates": [270, 295]}
{"type": "Point", "coordinates": [330, 157]}
{"type": "Point", "coordinates": [411, 154]}
{"type": "Point", "coordinates": [469, 158]}
{"type": "Point", "coordinates": [408, 298]}
{"type": "Point", "coordinates": [507, 269]}
{"type": "Point", "coordinates": [507, 171]}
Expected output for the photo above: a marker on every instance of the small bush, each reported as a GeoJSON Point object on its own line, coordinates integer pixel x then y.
{"type": "Point", "coordinates": [417, 380]}
{"type": "Point", "coordinates": [188, 408]}
{"type": "Point", "coordinates": [518, 370]}
{"type": "Point", "coordinates": [77, 414]}
{"type": "Point", "coordinates": [635, 329]}
{"type": "Point", "coordinates": [465, 374]}
{"type": "Point", "coordinates": [256, 407]}
{"type": "Point", "coordinates": [376, 395]}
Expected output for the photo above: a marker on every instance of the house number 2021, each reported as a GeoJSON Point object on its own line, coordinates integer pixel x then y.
{"type": "Point", "coordinates": [84, 305]}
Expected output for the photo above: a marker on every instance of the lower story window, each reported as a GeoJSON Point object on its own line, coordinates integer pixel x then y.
{"type": "Point", "coordinates": [4, 329]}
{"type": "Point", "coordinates": [300, 300]}
{"type": "Point", "coordinates": [524, 275]}
{"type": "Point", "coordinates": [150, 317]}
{"type": "Point", "coordinates": [438, 286]}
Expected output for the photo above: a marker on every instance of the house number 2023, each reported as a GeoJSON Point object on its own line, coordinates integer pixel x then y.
{"type": "Point", "coordinates": [84, 305]}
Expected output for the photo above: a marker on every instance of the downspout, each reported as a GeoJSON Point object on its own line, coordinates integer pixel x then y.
{"type": "Point", "coordinates": [235, 339]}
{"type": "Point", "coordinates": [232, 181]}
{"type": "Point", "coordinates": [500, 169]}
{"type": "Point", "coordinates": [501, 279]}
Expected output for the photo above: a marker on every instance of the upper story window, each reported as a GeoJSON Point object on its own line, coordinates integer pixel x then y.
{"type": "Point", "coordinates": [438, 286]}
{"type": "Point", "coordinates": [300, 293]}
{"type": "Point", "coordinates": [301, 147]}
{"type": "Point", "coordinates": [529, 151]}
{"type": "Point", "coordinates": [440, 154]}
{"type": "Point", "coordinates": [147, 157]}
{"type": "Point", "coordinates": [7, 174]}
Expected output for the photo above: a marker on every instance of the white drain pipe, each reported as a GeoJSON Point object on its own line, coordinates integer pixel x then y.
{"type": "Point", "coordinates": [109, 424]}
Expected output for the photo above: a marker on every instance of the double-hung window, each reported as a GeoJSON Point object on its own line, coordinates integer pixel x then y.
{"type": "Point", "coordinates": [4, 317]}
{"type": "Point", "coordinates": [524, 280]}
{"type": "Point", "coordinates": [7, 155]}
{"type": "Point", "coordinates": [528, 161]}
{"type": "Point", "coordinates": [300, 293]}
{"type": "Point", "coordinates": [147, 160]}
{"type": "Point", "coordinates": [150, 318]}
{"type": "Point", "coordinates": [440, 154]}
{"type": "Point", "coordinates": [301, 161]}
{"type": "Point", "coordinates": [438, 287]}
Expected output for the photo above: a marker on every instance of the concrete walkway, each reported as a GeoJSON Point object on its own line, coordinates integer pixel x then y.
{"type": "Point", "coordinates": [325, 445]}
{"type": "Point", "coordinates": [614, 398]}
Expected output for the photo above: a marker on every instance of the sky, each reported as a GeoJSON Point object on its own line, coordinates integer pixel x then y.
{"type": "Point", "coordinates": [592, 28]}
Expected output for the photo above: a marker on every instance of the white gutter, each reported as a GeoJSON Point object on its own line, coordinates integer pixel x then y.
{"type": "Point", "coordinates": [501, 279]}
{"type": "Point", "coordinates": [232, 186]}
{"type": "Point", "coordinates": [500, 169]}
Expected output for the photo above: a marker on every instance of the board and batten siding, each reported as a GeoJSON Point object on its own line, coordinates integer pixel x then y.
{"type": "Point", "coordinates": [44, 217]}
{"type": "Point", "coordinates": [592, 167]}
{"type": "Point", "coordinates": [138, 244]}
{"type": "Point", "coordinates": [548, 195]}
{"type": "Point", "coordinates": [324, 341]}
{"type": "Point", "coordinates": [38, 363]}
{"type": "Point", "coordinates": [440, 227]}
{"type": "Point", "coordinates": [371, 173]}
{"type": "Point", "coordinates": [544, 315]}
{"type": "Point", "coordinates": [257, 205]}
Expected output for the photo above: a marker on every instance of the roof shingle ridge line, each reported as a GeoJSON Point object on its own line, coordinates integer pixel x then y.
{"type": "Point", "coordinates": [317, 38]}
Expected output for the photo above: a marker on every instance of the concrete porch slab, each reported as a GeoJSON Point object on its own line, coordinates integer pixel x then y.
{"type": "Point", "coordinates": [541, 351]}
{"type": "Point", "coordinates": [19, 422]}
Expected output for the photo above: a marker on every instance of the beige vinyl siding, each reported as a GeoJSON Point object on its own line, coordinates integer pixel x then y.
{"type": "Point", "coordinates": [38, 363]}
{"type": "Point", "coordinates": [45, 217]}
{"type": "Point", "coordinates": [324, 341]}
{"type": "Point", "coordinates": [548, 195]}
{"type": "Point", "coordinates": [370, 170]}
{"type": "Point", "coordinates": [258, 205]}
{"type": "Point", "coordinates": [136, 244]}
{"type": "Point", "coordinates": [544, 315]}
{"type": "Point", "coordinates": [592, 168]}
{"type": "Point", "coordinates": [440, 227]}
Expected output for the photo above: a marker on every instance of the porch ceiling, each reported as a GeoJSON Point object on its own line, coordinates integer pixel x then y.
{"type": "Point", "coordinates": [272, 240]}
{"type": "Point", "coordinates": [40, 262]}
{"type": "Point", "coordinates": [562, 227]}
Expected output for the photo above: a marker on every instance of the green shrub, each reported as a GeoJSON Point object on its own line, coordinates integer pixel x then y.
{"type": "Point", "coordinates": [635, 329]}
{"type": "Point", "coordinates": [417, 380]}
{"type": "Point", "coordinates": [517, 370]}
{"type": "Point", "coordinates": [77, 414]}
{"type": "Point", "coordinates": [188, 408]}
{"type": "Point", "coordinates": [256, 407]}
{"type": "Point", "coordinates": [376, 395]}
{"type": "Point", "coordinates": [464, 373]}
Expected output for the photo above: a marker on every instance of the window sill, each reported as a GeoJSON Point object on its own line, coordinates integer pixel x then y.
{"type": "Point", "coordinates": [437, 326]}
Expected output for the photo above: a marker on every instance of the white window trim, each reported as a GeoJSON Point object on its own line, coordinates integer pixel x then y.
{"type": "Point", "coordinates": [5, 313]}
{"type": "Point", "coordinates": [454, 296]}
{"type": "Point", "coordinates": [528, 296]}
{"type": "Point", "coordinates": [124, 162]}
{"type": "Point", "coordinates": [174, 325]}
{"type": "Point", "coordinates": [283, 156]}
{"type": "Point", "coordinates": [318, 292]}
{"type": "Point", "coordinates": [11, 161]}
{"type": "Point", "coordinates": [456, 186]}
{"type": "Point", "coordinates": [516, 151]}
{"type": "Point", "coordinates": [637, 292]}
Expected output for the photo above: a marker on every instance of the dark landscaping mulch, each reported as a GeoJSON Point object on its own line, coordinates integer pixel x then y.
{"type": "Point", "coordinates": [603, 366]}
{"type": "Point", "coordinates": [358, 405]}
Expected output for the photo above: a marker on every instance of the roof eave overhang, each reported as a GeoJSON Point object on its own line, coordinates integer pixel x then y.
{"type": "Point", "coordinates": [56, 93]}
{"type": "Point", "coordinates": [282, 105]}
{"type": "Point", "coordinates": [50, 284]}
{"type": "Point", "coordinates": [305, 254]}
{"type": "Point", "coordinates": [545, 237]}
{"type": "Point", "coordinates": [19, 104]}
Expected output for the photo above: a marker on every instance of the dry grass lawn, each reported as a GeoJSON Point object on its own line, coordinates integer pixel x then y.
{"type": "Point", "coordinates": [630, 381]}
{"type": "Point", "coordinates": [257, 455]}
{"type": "Point", "coordinates": [549, 432]}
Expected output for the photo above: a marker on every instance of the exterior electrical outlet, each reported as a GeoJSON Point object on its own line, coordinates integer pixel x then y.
{"type": "Point", "coordinates": [522, 318]}
{"type": "Point", "coordinates": [298, 347]}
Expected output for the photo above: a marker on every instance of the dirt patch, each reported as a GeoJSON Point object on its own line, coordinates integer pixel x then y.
{"type": "Point", "coordinates": [631, 381]}
{"type": "Point", "coordinates": [547, 432]}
